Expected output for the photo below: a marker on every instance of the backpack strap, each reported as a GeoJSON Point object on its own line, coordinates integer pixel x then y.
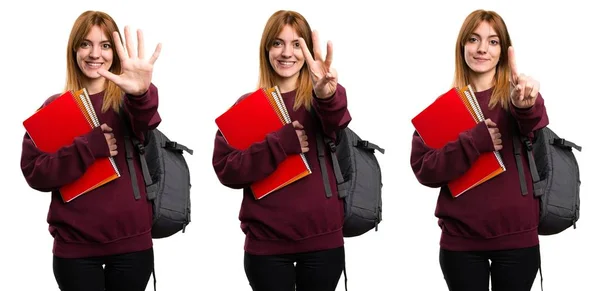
{"type": "Point", "coordinates": [321, 140]}
{"type": "Point", "coordinates": [365, 144]}
{"type": "Point", "coordinates": [518, 141]}
{"type": "Point", "coordinates": [561, 142]}
{"type": "Point", "coordinates": [130, 142]}
{"type": "Point", "coordinates": [172, 145]}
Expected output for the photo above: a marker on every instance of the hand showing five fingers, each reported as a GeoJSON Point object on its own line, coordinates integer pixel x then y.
{"type": "Point", "coordinates": [136, 71]}
{"type": "Point", "coordinates": [525, 89]}
{"type": "Point", "coordinates": [323, 77]}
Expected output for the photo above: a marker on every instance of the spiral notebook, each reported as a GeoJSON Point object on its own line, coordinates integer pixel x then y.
{"type": "Point", "coordinates": [57, 124]}
{"type": "Point", "coordinates": [442, 121]}
{"type": "Point", "coordinates": [261, 113]}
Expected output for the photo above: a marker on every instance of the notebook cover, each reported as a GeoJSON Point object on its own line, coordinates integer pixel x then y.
{"type": "Point", "coordinates": [442, 122]}
{"type": "Point", "coordinates": [248, 122]}
{"type": "Point", "coordinates": [56, 125]}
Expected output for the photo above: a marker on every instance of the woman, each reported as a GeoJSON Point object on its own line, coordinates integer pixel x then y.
{"type": "Point", "coordinates": [108, 225]}
{"type": "Point", "coordinates": [297, 224]}
{"type": "Point", "coordinates": [493, 221]}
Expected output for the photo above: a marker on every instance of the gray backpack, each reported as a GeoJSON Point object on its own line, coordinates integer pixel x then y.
{"type": "Point", "coordinates": [556, 180]}
{"type": "Point", "coordinates": [358, 178]}
{"type": "Point", "coordinates": [167, 178]}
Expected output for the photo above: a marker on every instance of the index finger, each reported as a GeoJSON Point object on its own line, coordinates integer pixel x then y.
{"type": "Point", "coordinates": [119, 45]}
{"type": "Point", "coordinates": [306, 52]}
{"type": "Point", "coordinates": [512, 63]}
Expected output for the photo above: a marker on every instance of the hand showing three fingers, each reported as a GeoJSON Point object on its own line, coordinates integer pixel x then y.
{"type": "Point", "coordinates": [136, 71]}
{"type": "Point", "coordinates": [525, 89]}
{"type": "Point", "coordinates": [323, 76]}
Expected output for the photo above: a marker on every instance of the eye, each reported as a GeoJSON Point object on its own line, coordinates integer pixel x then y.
{"type": "Point", "coordinates": [277, 43]}
{"type": "Point", "coordinates": [84, 44]}
{"type": "Point", "coordinates": [297, 44]}
{"type": "Point", "coordinates": [106, 46]}
{"type": "Point", "coordinates": [472, 39]}
{"type": "Point", "coordinates": [495, 42]}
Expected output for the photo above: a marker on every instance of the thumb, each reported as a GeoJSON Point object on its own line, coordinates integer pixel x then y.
{"type": "Point", "coordinates": [105, 128]}
{"type": "Point", "coordinates": [108, 75]}
{"type": "Point", "coordinates": [297, 125]}
{"type": "Point", "coordinates": [489, 123]}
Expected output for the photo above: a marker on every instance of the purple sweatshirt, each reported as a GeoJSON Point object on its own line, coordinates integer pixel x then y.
{"type": "Point", "coordinates": [494, 215]}
{"type": "Point", "coordinates": [298, 217]}
{"type": "Point", "coordinates": [107, 220]}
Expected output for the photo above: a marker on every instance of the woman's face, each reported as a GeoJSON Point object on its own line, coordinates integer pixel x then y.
{"type": "Point", "coordinates": [285, 54]}
{"type": "Point", "coordinates": [482, 50]}
{"type": "Point", "coordinates": [95, 52]}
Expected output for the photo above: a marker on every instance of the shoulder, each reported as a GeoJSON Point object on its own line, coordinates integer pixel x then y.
{"type": "Point", "coordinates": [50, 99]}
{"type": "Point", "coordinates": [242, 97]}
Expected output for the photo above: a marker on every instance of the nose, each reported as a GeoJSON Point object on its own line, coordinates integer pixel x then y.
{"type": "Point", "coordinates": [95, 52]}
{"type": "Point", "coordinates": [482, 48]}
{"type": "Point", "coordinates": [288, 51]}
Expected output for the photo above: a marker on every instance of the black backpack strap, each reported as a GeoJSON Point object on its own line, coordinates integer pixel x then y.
{"type": "Point", "coordinates": [172, 145]}
{"type": "Point", "coordinates": [365, 144]}
{"type": "Point", "coordinates": [561, 142]}
{"type": "Point", "coordinates": [518, 142]}
{"type": "Point", "coordinates": [132, 144]}
{"type": "Point", "coordinates": [321, 140]}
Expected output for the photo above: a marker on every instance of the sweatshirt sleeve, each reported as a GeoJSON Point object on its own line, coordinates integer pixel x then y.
{"type": "Point", "coordinates": [436, 167]}
{"type": "Point", "coordinates": [333, 111]}
{"type": "Point", "coordinates": [49, 171]}
{"type": "Point", "coordinates": [143, 111]}
{"type": "Point", "coordinates": [239, 168]}
{"type": "Point", "coordinates": [532, 118]}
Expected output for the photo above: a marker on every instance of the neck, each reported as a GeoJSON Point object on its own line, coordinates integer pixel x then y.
{"type": "Point", "coordinates": [482, 81]}
{"type": "Point", "coordinates": [95, 86]}
{"type": "Point", "coordinates": [287, 84]}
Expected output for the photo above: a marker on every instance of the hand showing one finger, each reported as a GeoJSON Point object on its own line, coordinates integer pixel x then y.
{"type": "Point", "coordinates": [525, 89]}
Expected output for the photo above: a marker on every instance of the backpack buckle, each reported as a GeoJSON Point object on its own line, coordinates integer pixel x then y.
{"type": "Point", "coordinates": [141, 149]}
{"type": "Point", "coordinates": [529, 145]}
{"type": "Point", "coordinates": [363, 143]}
{"type": "Point", "coordinates": [332, 146]}
{"type": "Point", "coordinates": [171, 144]}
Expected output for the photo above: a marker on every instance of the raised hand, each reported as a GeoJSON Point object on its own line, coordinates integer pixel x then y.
{"type": "Point", "coordinates": [494, 134]}
{"type": "Point", "coordinates": [524, 88]}
{"type": "Point", "coordinates": [136, 71]}
{"type": "Point", "coordinates": [324, 78]}
{"type": "Point", "coordinates": [110, 139]}
{"type": "Point", "coordinates": [301, 136]}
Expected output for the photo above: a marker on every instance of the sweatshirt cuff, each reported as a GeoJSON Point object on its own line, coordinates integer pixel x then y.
{"type": "Point", "coordinates": [482, 139]}
{"type": "Point", "coordinates": [97, 143]}
{"type": "Point", "coordinates": [288, 139]}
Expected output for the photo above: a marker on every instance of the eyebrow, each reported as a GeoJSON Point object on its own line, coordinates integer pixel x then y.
{"type": "Point", "coordinates": [85, 39]}
{"type": "Point", "coordinates": [277, 38]}
{"type": "Point", "coordinates": [493, 35]}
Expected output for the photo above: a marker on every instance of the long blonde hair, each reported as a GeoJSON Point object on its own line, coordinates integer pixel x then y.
{"type": "Point", "coordinates": [82, 26]}
{"type": "Point", "coordinates": [267, 74]}
{"type": "Point", "coordinates": [501, 92]}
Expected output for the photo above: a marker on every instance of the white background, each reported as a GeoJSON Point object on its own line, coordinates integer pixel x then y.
{"type": "Point", "coordinates": [384, 54]}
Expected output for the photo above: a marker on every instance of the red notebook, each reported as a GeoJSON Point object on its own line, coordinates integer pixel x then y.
{"type": "Point", "coordinates": [442, 121]}
{"type": "Point", "coordinates": [248, 122]}
{"type": "Point", "coordinates": [56, 125]}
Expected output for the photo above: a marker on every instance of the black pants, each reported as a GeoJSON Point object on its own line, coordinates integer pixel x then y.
{"type": "Point", "coordinates": [513, 270]}
{"type": "Point", "coordinates": [126, 272]}
{"type": "Point", "coordinates": [314, 271]}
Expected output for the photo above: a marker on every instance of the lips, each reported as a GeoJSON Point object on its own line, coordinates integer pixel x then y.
{"type": "Point", "coordinates": [93, 65]}
{"type": "Point", "coordinates": [286, 64]}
